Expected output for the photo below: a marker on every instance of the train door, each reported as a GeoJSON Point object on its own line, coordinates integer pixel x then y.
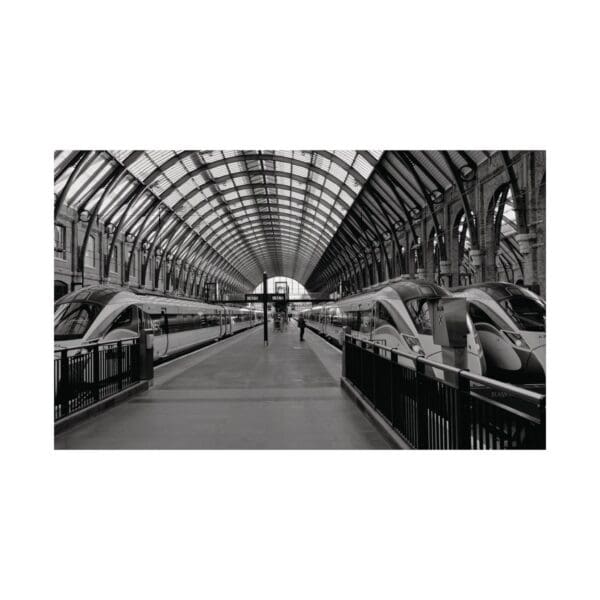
{"type": "Point", "coordinates": [160, 328]}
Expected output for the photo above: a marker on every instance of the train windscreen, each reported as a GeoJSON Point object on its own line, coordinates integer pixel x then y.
{"type": "Point", "coordinates": [529, 314]}
{"type": "Point", "coordinates": [418, 309]}
{"type": "Point", "coordinates": [73, 319]}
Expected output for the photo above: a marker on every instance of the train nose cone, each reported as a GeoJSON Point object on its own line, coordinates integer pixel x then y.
{"type": "Point", "coordinates": [534, 368]}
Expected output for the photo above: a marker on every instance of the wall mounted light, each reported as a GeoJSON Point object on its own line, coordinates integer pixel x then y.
{"type": "Point", "coordinates": [467, 173]}
{"type": "Point", "coordinates": [436, 196]}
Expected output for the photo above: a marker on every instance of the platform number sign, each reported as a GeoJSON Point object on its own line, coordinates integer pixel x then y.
{"type": "Point", "coordinates": [261, 298]}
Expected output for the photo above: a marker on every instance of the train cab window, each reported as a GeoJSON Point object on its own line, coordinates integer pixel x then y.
{"type": "Point", "coordinates": [479, 315]}
{"type": "Point", "coordinates": [528, 314]}
{"type": "Point", "coordinates": [418, 309]}
{"type": "Point", "coordinates": [382, 316]}
{"type": "Point", "coordinates": [128, 319]}
{"type": "Point", "coordinates": [73, 319]}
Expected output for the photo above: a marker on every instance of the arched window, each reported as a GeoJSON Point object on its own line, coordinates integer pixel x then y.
{"type": "Point", "coordinates": [114, 262]}
{"type": "Point", "coordinates": [416, 254]}
{"type": "Point", "coordinates": [466, 270]}
{"type": "Point", "coordinates": [157, 269]}
{"type": "Point", "coordinates": [434, 257]}
{"type": "Point", "coordinates": [90, 252]}
{"type": "Point", "coordinates": [509, 260]}
{"type": "Point", "coordinates": [59, 241]}
{"type": "Point", "coordinates": [60, 289]}
{"type": "Point", "coordinates": [133, 267]}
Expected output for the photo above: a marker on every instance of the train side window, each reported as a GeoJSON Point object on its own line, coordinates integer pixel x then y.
{"type": "Point", "coordinates": [478, 315]}
{"type": "Point", "coordinates": [365, 321]}
{"type": "Point", "coordinates": [146, 319]}
{"type": "Point", "coordinates": [128, 319]}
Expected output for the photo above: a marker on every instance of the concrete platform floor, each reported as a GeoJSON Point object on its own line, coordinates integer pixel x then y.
{"type": "Point", "coordinates": [238, 394]}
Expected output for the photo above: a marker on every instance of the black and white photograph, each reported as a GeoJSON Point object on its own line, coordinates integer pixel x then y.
{"type": "Point", "coordinates": [263, 299]}
{"type": "Point", "coordinates": [299, 300]}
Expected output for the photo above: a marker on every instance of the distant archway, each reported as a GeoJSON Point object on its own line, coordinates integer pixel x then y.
{"type": "Point", "coordinates": [274, 285]}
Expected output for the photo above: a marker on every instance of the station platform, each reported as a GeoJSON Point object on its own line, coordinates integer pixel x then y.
{"type": "Point", "coordinates": [238, 394]}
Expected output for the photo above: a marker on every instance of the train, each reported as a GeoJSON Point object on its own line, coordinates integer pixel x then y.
{"type": "Point", "coordinates": [397, 316]}
{"type": "Point", "coordinates": [511, 323]}
{"type": "Point", "coordinates": [506, 324]}
{"type": "Point", "coordinates": [104, 314]}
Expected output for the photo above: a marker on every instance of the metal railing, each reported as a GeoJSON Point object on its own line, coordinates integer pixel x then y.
{"type": "Point", "coordinates": [435, 406]}
{"type": "Point", "coordinates": [85, 375]}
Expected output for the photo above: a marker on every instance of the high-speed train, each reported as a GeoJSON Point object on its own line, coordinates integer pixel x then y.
{"type": "Point", "coordinates": [108, 314]}
{"type": "Point", "coordinates": [511, 323]}
{"type": "Point", "coordinates": [397, 316]}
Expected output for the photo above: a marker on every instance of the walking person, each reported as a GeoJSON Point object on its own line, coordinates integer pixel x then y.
{"type": "Point", "coordinates": [301, 326]}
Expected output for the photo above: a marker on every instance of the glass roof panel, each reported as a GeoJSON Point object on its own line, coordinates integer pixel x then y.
{"type": "Point", "coordinates": [273, 195]}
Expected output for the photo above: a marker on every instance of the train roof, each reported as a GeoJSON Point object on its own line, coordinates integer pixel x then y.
{"type": "Point", "coordinates": [97, 294]}
{"type": "Point", "coordinates": [105, 294]}
{"type": "Point", "coordinates": [498, 290]}
{"type": "Point", "coordinates": [407, 290]}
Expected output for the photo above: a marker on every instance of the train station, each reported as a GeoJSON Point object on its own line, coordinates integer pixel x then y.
{"type": "Point", "coordinates": [302, 299]}
{"type": "Point", "coordinates": [304, 260]}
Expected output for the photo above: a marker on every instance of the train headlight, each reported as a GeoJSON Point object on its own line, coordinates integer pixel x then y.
{"type": "Point", "coordinates": [516, 339]}
{"type": "Point", "coordinates": [413, 344]}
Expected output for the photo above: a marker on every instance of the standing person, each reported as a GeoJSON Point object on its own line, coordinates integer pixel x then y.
{"type": "Point", "coordinates": [301, 325]}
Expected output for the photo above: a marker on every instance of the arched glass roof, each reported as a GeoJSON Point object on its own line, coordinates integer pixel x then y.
{"type": "Point", "coordinates": [304, 214]}
{"type": "Point", "coordinates": [249, 211]}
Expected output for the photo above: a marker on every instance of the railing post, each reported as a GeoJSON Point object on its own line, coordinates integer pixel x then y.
{"type": "Point", "coordinates": [65, 383]}
{"type": "Point", "coordinates": [422, 426]}
{"type": "Point", "coordinates": [120, 364]}
{"type": "Point", "coordinates": [462, 413]}
{"type": "Point", "coordinates": [391, 376]}
{"type": "Point", "coordinates": [96, 371]}
{"type": "Point", "coordinates": [542, 436]}
{"type": "Point", "coordinates": [374, 368]}
{"type": "Point", "coordinates": [146, 355]}
{"type": "Point", "coordinates": [361, 370]}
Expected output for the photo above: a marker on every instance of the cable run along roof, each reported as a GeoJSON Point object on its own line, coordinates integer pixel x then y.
{"type": "Point", "coordinates": [246, 211]}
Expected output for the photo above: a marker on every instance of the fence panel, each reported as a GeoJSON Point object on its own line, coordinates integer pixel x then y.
{"type": "Point", "coordinates": [449, 413]}
{"type": "Point", "coordinates": [91, 373]}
